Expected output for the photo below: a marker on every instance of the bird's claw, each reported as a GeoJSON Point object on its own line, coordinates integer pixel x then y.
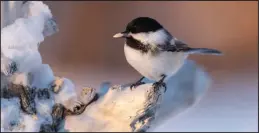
{"type": "Point", "coordinates": [136, 85]}
{"type": "Point", "coordinates": [157, 85]}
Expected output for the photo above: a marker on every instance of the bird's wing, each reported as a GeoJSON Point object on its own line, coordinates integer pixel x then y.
{"type": "Point", "coordinates": [175, 46]}
{"type": "Point", "coordinates": [179, 46]}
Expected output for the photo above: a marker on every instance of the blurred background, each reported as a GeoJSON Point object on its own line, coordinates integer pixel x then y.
{"type": "Point", "coordinates": [85, 52]}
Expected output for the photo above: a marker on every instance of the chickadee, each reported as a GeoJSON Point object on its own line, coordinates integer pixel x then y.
{"type": "Point", "coordinates": [154, 52]}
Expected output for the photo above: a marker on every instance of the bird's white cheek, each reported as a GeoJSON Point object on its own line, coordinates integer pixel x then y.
{"type": "Point", "coordinates": [153, 38]}
{"type": "Point", "coordinates": [143, 38]}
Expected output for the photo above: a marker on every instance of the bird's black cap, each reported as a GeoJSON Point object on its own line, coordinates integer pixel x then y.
{"type": "Point", "coordinates": [143, 24]}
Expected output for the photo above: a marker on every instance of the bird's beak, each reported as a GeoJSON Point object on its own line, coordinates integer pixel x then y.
{"type": "Point", "coordinates": [121, 35]}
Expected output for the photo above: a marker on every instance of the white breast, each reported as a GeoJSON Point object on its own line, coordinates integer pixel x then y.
{"type": "Point", "coordinates": [152, 67]}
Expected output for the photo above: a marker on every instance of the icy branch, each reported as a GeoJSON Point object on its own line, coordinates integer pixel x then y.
{"type": "Point", "coordinates": [33, 99]}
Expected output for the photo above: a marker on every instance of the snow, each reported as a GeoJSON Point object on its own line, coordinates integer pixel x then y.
{"type": "Point", "coordinates": [29, 124]}
{"type": "Point", "coordinates": [19, 44]}
{"type": "Point", "coordinates": [19, 79]}
{"type": "Point", "coordinates": [44, 109]}
{"type": "Point", "coordinates": [6, 64]}
{"type": "Point", "coordinates": [12, 115]}
{"type": "Point", "coordinates": [9, 112]}
{"type": "Point", "coordinates": [67, 95]}
{"type": "Point", "coordinates": [20, 40]}
{"type": "Point", "coordinates": [41, 76]}
{"type": "Point", "coordinates": [12, 118]}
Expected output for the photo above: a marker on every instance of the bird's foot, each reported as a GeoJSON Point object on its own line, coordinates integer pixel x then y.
{"type": "Point", "coordinates": [136, 85]}
{"type": "Point", "coordinates": [158, 85]}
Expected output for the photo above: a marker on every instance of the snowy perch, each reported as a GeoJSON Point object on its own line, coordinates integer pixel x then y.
{"type": "Point", "coordinates": [33, 99]}
{"type": "Point", "coordinates": [120, 109]}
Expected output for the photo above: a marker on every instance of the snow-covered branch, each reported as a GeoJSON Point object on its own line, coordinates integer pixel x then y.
{"type": "Point", "coordinates": [44, 102]}
{"type": "Point", "coordinates": [120, 109]}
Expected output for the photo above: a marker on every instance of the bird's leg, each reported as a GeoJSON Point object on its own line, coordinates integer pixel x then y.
{"type": "Point", "coordinates": [160, 83]}
{"type": "Point", "coordinates": [139, 82]}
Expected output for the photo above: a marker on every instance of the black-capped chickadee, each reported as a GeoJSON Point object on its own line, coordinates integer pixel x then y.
{"type": "Point", "coordinates": [154, 52]}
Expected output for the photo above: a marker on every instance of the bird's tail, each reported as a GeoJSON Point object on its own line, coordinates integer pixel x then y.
{"type": "Point", "coordinates": [204, 51]}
